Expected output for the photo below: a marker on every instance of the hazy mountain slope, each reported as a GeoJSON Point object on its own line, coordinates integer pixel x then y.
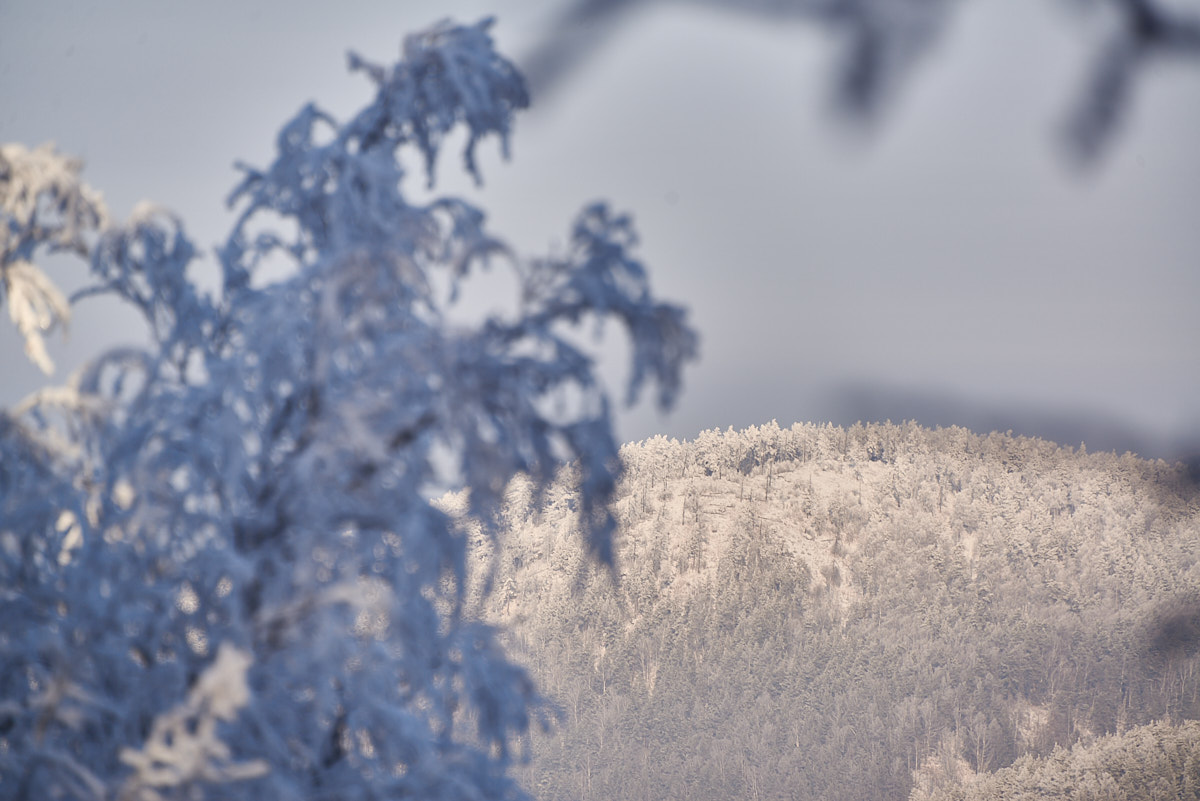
{"type": "Point", "coordinates": [819, 612]}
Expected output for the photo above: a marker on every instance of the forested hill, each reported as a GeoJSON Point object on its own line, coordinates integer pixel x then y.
{"type": "Point", "coordinates": [827, 613]}
{"type": "Point", "coordinates": [1159, 761]}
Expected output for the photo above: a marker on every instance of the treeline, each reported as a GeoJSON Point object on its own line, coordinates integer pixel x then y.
{"type": "Point", "coordinates": [819, 612]}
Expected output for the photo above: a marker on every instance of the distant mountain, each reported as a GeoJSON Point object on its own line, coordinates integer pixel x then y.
{"type": "Point", "coordinates": [850, 613]}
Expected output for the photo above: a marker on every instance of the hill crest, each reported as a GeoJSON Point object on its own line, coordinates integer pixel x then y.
{"type": "Point", "coordinates": [846, 607]}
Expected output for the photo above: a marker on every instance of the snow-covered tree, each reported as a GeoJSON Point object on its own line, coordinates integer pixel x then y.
{"type": "Point", "coordinates": [221, 574]}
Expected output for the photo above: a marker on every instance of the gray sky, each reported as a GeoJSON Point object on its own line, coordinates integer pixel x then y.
{"type": "Point", "coordinates": [951, 266]}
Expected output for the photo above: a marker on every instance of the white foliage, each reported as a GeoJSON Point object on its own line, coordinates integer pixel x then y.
{"type": "Point", "coordinates": [239, 517]}
{"type": "Point", "coordinates": [183, 746]}
{"type": "Point", "coordinates": [35, 306]}
{"type": "Point", "coordinates": [43, 205]}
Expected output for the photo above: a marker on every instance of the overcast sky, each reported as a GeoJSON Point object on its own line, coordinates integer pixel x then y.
{"type": "Point", "coordinates": [951, 266]}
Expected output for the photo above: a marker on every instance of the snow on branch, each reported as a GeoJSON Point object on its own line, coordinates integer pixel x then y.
{"type": "Point", "coordinates": [43, 206]}
{"type": "Point", "coordinates": [145, 262]}
{"type": "Point", "coordinates": [183, 747]}
{"type": "Point", "coordinates": [262, 475]}
{"type": "Point", "coordinates": [36, 307]}
{"type": "Point", "coordinates": [450, 74]}
{"type": "Point", "coordinates": [340, 183]}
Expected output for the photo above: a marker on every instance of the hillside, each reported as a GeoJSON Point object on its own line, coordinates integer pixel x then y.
{"type": "Point", "coordinates": [818, 612]}
{"type": "Point", "coordinates": [1158, 762]}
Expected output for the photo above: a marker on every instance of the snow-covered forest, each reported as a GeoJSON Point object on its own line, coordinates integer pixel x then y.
{"type": "Point", "coordinates": [821, 612]}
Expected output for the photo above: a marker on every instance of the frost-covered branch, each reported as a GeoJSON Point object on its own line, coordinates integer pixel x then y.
{"type": "Point", "coordinates": [234, 526]}
{"type": "Point", "coordinates": [880, 42]}
{"type": "Point", "coordinates": [43, 207]}
{"type": "Point", "coordinates": [183, 748]}
{"type": "Point", "coordinates": [1145, 30]}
